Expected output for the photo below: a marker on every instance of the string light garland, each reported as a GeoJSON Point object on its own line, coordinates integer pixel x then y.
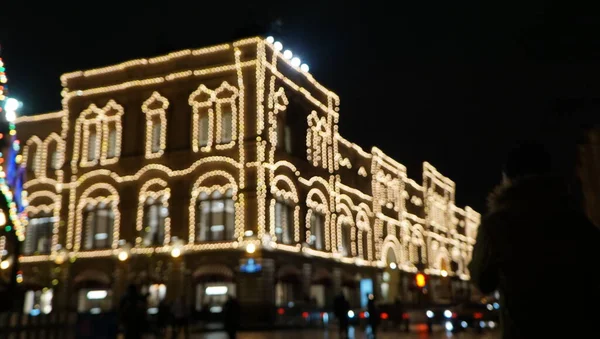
{"type": "Point", "coordinates": [380, 219]}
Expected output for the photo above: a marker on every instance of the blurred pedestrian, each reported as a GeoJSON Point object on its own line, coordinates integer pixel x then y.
{"type": "Point", "coordinates": [181, 317]}
{"type": "Point", "coordinates": [373, 315]}
{"type": "Point", "coordinates": [232, 316]}
{"type": "Point", "coordinates": [341, 307]}
{"type": "Point", "coordinates": [535, 246]}
{"type": "Point", "coordinates": [132, 313]}
{"type": "Point", "coordinates": [162, 318]}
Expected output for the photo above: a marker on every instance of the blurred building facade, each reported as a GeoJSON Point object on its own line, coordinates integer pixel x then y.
{"type": "Point", "coordinates": [221, 171]}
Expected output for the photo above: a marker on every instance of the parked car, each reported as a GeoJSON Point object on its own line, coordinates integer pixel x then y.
{"type": "Point", "coordinates": [478, 316]}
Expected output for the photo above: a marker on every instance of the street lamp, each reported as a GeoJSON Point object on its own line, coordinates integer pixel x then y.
{"type": "Point", "coordinates": [177, 247]}
{"type": "Point", "coordinates": [61, 256]}
{"type": "Point", "coordinates": [123, 252]}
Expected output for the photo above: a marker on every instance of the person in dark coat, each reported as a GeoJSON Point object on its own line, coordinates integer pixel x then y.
{"type": "Point", "coordinates": [341, 306]}
{"type": "Point", "coordinates": [537, 248]}
{"type": "Point", "coordinates": [373, 315]}
{"type": "Point", "coordinates": [232, 313]}
{"type": "Point", "coordinates": [162, 318]}
{"type": "Point", "coordinates": [132, 311]}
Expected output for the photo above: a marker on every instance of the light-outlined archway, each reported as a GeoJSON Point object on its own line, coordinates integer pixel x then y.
{"type": "Point", "coordinates": [391, 243]}
{"type": "Point", "coordinates": [317, 204]}
{"type": "Point", "coordinates": [221, 182]}
{"type": "Point", "coordinates": [364, 237]}
{"type": "Point", "coordinates": [344, 223]}
{"type": "Point", "coordinates": [47, 203]}
{"type": "Point", "coordinates": [285, 200]}
{"type": "Point", "coordinates": [156, 190]}
{"type": "Point", "coordinates": [100, 193]}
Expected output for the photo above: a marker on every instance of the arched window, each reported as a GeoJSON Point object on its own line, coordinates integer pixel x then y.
{"type": "Point", "coordinates": [226, 112]}
{"type": "Point", "coordinates": [317, 225]}
{"type": "Point", "coordinates": [98, 135]}
{"type": "Point", "coordinates": [156, 124]}
{"type": "Point", "coordinates": [156, 214]}
{"type": "Point", "coordinates": [417, 248]}
{"type": "Point", "coordinates": [99, 220]}
{"type": "Point", "coordinates": [346, 239]}
{"type": "Point", "coordinates": [111, 147]}
{"type": "Point", "coordinates": [153, 220]}
{"type": "Point", "coordinates": [362, 223]}
{"type": "Point", "coordinates": [215, 216]}
{"type": "Point", "coordinates": [284, 210]}
{"type": "Point", "coordinates": [345, 231]}
{"type": "Point", "coordinates": [213, 111]}
{"type": "Point", "coordinates": [316, 220]}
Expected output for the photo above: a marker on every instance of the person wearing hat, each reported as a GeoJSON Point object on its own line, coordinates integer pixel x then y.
{"type": "Point", "coordinates": [538, 249]}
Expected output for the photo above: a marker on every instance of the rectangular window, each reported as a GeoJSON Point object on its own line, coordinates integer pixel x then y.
{"type": "Point", "coordinates": [203, 130]}
{"type": "Point", "coordinates": [38, 236]}
{"type": "Point", "coordinates": [317, 224]}
{"type": "Point", "coordinates": [99, 223]}
{"type": "Point", "coordinates": [284, 222]}
{"type": "Point", "coordinates": [54, 160]}
{"type": "Point", "coordinates": [288, 139]}
{"type": "Point", "coordinates": [33, 159]}
{"type": "Point", "coordinates": [38, 302]}
{"type": "Point", "coordinates": [215, 217]}
{"type": "Point", "coordinates": [346, 240]}
{"type": "Point", "coordinates": [156, 131]}
{"type": "Point", "coordinates": [112, 142]}
{"type": "Point", "coordinates": [92, 144]}
{"type": "Point", "coordinates": [365, 245]}
{"type": "Point", "coordinates": [226, 126]}
{"type": "Point", "coordinates": [154, 226]}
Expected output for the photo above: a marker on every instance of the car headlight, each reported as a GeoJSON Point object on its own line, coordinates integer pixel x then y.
{"type": "Point", "coordinates": [429, 314]}
{"type": "Point", "coordinates": [448, 314]}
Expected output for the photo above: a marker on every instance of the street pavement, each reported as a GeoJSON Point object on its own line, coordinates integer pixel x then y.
{"type": "Point", "coordinates": [415, 333]}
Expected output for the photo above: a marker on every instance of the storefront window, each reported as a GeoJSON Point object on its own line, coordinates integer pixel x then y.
{"type": "Point", "coordinates": [94, 301]}
{"type": "Point", "coordinates": [212, 296]}
{"type": "Point", "coordinates": [38, 302]}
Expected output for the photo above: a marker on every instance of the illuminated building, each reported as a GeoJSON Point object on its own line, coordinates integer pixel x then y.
{"type": "Point", "coordinates": [221, 171]}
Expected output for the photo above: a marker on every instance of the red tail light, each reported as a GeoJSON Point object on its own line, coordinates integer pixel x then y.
{"type": "Point", "coordinates": [405, 316]}
{"type": "Point", "coordinates": [304, 315]}
{"type": "Point", "coordinates": [280, 311]}
{"type": "Point", "coordinates": [478, 315]}
{"type": "Point", "coordinates": [384, 316]}
{"type": "Point", "coordinates": [454, 315]}
{"type": "Point", "coordinates": [362, 315]}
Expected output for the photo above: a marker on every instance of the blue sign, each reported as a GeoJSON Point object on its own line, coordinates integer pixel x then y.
{"type": "Point", "coordinates": [250, 267]}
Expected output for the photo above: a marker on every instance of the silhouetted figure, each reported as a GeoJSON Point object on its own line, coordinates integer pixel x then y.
{"type": "Point", "coordinates": [341, 306]}
{"type": "Point", "coordinates": [181, 317]}
{"type": "Point", "coordinates": [373, 315]}
{"type": "Point", "coordinates": [534, 246]}
{"type": "Point", "coordinates": [162, 318]}
{"type": "Point", "coordinates": [132, 311]}
{"type": "Point", "coordinates": [232, 313]}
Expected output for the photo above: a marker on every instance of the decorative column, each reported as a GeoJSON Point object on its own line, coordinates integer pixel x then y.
{"type": "Point", "coordinates": [306, 279]}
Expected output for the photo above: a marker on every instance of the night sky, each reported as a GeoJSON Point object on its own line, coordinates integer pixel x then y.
{"type": "Point", "coordinates": [450, 83]}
